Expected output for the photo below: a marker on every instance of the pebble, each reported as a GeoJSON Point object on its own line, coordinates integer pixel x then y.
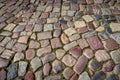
{"type": "Point", "coordinates": [79, 24]}
{"type": "Point", "coordinates": [48, 27]}
{"type": "Point", "coordinates": [18, 56]}
{"type": "Point", "coordinates": [74, 77]}
{"type": "Point", "coordinates": [103, 35]}
{"type": "Point", "coordinates": [67, 73]}
{"type": "Point", "coordinates": [102, 55]}
{"type": "Point", "coordinates": [80, 65]}
{"type": "Point", "coordinates": [106, 11]}
{"type": "Point", "coordinates": [70, 45]}
{"type": "Point", "coordinates": [34, 44]}
{"type": "Point", "coordinates": [35, 63]}
{"type": "Point", "coordinates": [52, 20]}
{"type": "Point", "coordinates": [44, 43]}
{"type": "Point", "coordinates": [7, 54]}
{"type": "Point", "coordinates": [117, 69]}
{"type": "Point", "coordinates": [12, 71]}
{"type": "Point", "coordinates": [11, 43]}
{"type": "Point", "coordinates": [99, 76]}
{"type": "Point", "coordinates": [29, 76]}
{"type": "Point", "coordinates": [57, 66]}
{"type": "Point", "coordinates": [22, 68]}
{"type": "Point", "coordinates": [63, 22]}
{"type": "Point", "coordinates": [57, 33]}
{"type": "Point", "coordinates": [115, 56]}
{"type": "Point", "coordinates": [84, 76]}
{"type": "Point", "coordinates": [89, 34]}
{"type": "Point", "coordinates": [94, 65]}
{"type": "Point", "coordinates": [23, 39]}
{"type": "Point", "coordinates": [37, 28]}
{"type": "Point", "coordinates": [100, 29]}
{"type": "Point", "coordinates": [68, 60]}
{"type": "Point", "coordinates": [19, 47]}
{"type": "Point", "coordinates": [3, 62]}
{"type": "Point", "coordinates": [6, 33]}
{"type": "Point", "coordinates": [115, 27]}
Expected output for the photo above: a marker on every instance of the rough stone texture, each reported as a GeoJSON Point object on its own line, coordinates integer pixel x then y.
{"type": "Point", "coordinates": [22, 68]}
{"type": "Point", "coordinates": [2, 74]}
{"type": "Point", "coordinates": [116, 37]}
{"type": "Point", "coordinates": [38, 75]}
{"type": "Point", "coordinates": [102, 55]}
{"type": "Point", "coordinates": [12, 71]}
{"type": "Point", "coordinates": [80, 65]}
{"type": "Point", "coordinates": [55, 42]}
{"type": "Point", "coordinates": [57, 66]}
{"type": "Point", "coordinates": [115, 56]}
{"type": "Point", "coordinates": [30, 53]}
{"type": "Point", "coordinates": [94, 42]}
{"type": "Point", "coordinates": [3, 63]}
{"type": "Point", "coordinates": [60, 53]}
{"type": "Point", "coordinates": [99, 76]}
{"type": "Point", "coordinates": [35, 63]}
{"type": "Point", "coordinates": [82, 43]}
{"type": "Point", "coordinates": [79, 24]}
{"type": "Point", "coordinates": [18, 57]}
{"type": "Point", "coordinates": [70, 31]}
{"type": "Point", "coordinates": [64, 39]}
{"type": "Point", "coordinates": [68, 60]}
{"type": "Point", "coordinates": [70, 45]}
{"type": "Point", "coordinates": [46, 69]}
{"type": "Point", "coordinates": [29, 75]}
{"type": "Point", "coordinates": [84, 76]}
{"type": "Point", "coordinates": [115, 27]}
{"type": "Point", "coordinates": [67, 73]}
{"type": "Point", "coordinates": [88, 53]}
{"type": "Point", "coordinates": [110, 44]}
{"type": "Point", "coordinates": [8, 54]}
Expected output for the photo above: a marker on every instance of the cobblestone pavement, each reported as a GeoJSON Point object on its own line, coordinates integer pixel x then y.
{"type": "Point", "coordinates": [59, 39]}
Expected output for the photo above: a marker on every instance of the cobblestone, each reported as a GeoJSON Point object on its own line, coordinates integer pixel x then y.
{"type": "Point", "coordinates": [59, 39]}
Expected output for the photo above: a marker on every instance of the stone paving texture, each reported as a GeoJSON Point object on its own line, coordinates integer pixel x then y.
{"type": "Point", "coordinates": [59, 39]}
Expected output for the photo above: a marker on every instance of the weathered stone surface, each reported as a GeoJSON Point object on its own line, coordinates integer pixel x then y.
{"type": "Point", "coordinates": [88, 53]}
{"type": "Point", "coordinates": [55, 43]}
{"type": "Point", "coordinates": [8, 54]}
{"type": "Point", "coordinates": [59, 53]}
{"type": "Point", "coordinates": [94, 65]}
{"type": "Point", "coordinates": [70, 31]}
{"type": "Point", "coordinates": [74, 77]}
{"type": "Point", "coordinates": [117, 69]}
{"type": "Point", "coordinates": [110, 44]}
{"type": "Point", "coordinates": [115, 56]}
{"type": "Point", "coordinates": [67, 73]}
{"type": "Point", "coordinates": [37, 28]}
{"type": "Point", "coordinates": [2, 74]}
{"type": "Point", "coordinates": [68, 60]}
{"type": "Point", "coordinates": [57, 66]}
{"type": "Point", "coordinates": [70, 45]}
{"type": "Point", "coordinates": [94, 42]}
{"type": "Point", "coordinates": [19, 47]}
{"type": "Point", "coordinates": [82, 43]}
{"type": "Point", "coordinates": [34, 44]}
{"type": "Point", "coordinates": [11, 43]}
{"type": "Point", "coordinates": [52, 20]}
{"type": "Point", "coordinates": [108, 66]}
{"type": "Point", "coordinates": [48, 58]}
{"type": "Point", "coordinates": [99, 76]}
{"type": "Point", "coordinates": [80, 65]}
{"type": "Point", "coordinates": [115, 27]}
{"type": "Point", "coordinates": [113, 77]}
{"type": "Point", "coordinates": [30, 53]}
{"type": "Point", "coordinates": [102, 55]}
{"type": "Point", "coordinates": [57, 33]}
{"type": "Point", "coordinates": [12, 71]}
{"type": "Point", "coordinates": [84, 76]}
{"type": "Point", "coordinates": [64, 39]}
{"type": "Point", "coordinates": [18, 56]}
{"type": "Point", "coordinates": [44, 43]}
{"type": "Point", "coordinates": [46, 69]}
{"type": "Point", "coordinates": [3, 63]}
{"type": "Point", "coordinates": [116, 37]}
{"type": "Point", "coordinates": [35, 63]}
{"type": "Point", "coordinates": [74, 37]}
{"type": "Point", "coordinates": [79, 24]}
{"type": "Point", "coordinates": [43, 51]}
{"type": "Point", "coordinates": [87, 18]}
{"type": "Point", "coordinates": [22, 68]}
{"type": "Point", "coordinates": [19, 28]}
{"type": "Point", "coordinates": [29, 75]}
{"type": "Point", "coordinates": [75, 52]}
{"type": "Point", "coordinates": [44, 35]}
{"type": "Point", "coordinates": [23, 39]}
{"type": "Point", "coordinates": [38, 75]}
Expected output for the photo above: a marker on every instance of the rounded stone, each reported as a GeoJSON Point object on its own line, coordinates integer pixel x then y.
{"type": "Point", "coordinates": [113, 77]}
{"type": "Point", "coordinates": [99, 76]}
{"type": "Point", "coordinates": [30, 53]}
{"type": "Point", "coordinates": [46, 69]}
{"type": "Point", "coordinates": [88, 53]}
{"type": "Point", "coordinates": [29, 75]}
{"type": "Point", "coordinates": [117, 69]}
{"type": "Point", "coordinates": [64, 39]}
{"type": "Point", "coordinates": [18, 56]}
